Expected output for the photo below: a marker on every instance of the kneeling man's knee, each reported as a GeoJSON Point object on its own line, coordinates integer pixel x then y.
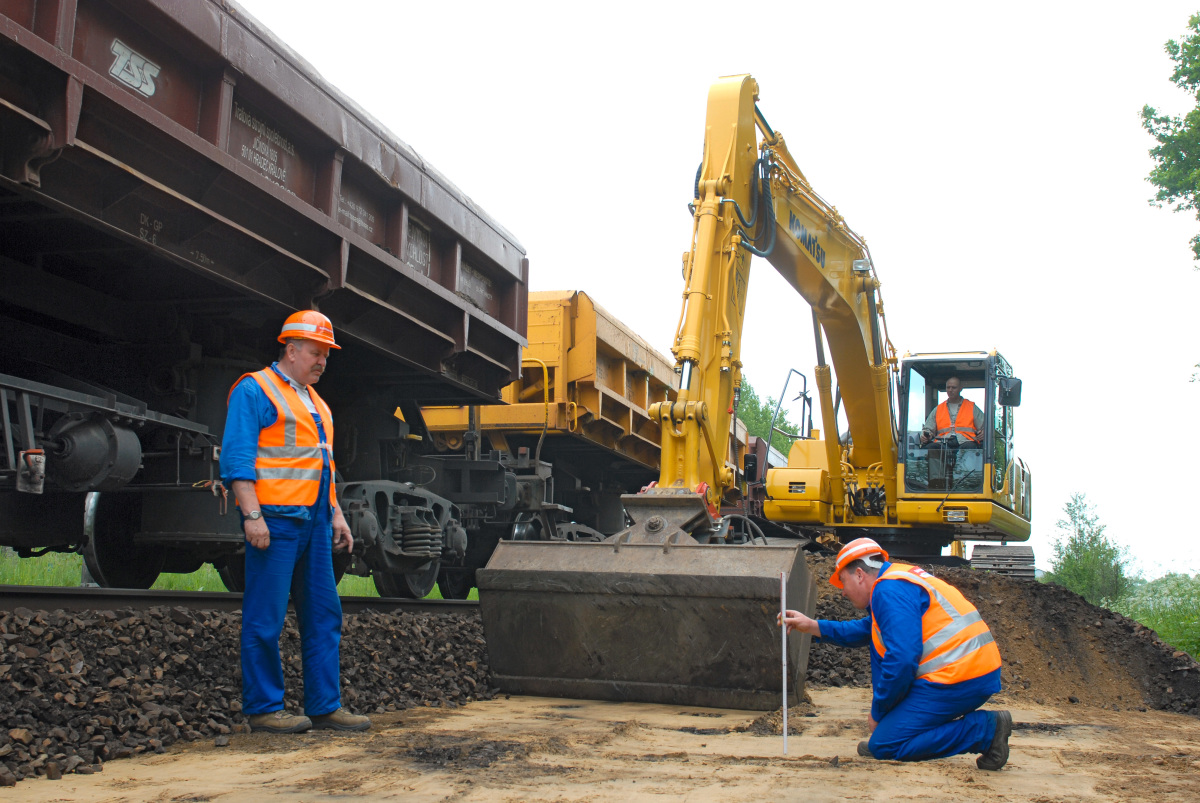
{"type": "Point", "coordinates": [883, 749]}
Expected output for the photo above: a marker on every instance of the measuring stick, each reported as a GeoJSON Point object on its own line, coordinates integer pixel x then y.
{"type": "Point", "coordinates": [782, 615]}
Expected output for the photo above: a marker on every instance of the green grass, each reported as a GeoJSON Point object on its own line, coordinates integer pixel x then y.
{"type": "Point", "coordinates": [204, 579]}
{"type": "Point", "coordinates": [1170, 606]}
{"type": "Point", "coordinates": [54, 569]}
{"type": "Point", "coordinates": [354, 586]}
{"type": "Point", "coordinates": [57, 569]}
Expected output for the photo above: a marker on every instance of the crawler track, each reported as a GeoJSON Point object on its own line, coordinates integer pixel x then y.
{"type": "Point", "coordinates": [95, 599]}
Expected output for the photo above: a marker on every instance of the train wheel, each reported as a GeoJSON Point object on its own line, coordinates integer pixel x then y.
{"type": "Point", "coordinates": [114, 561]}
{"type": "Point", "coordinates": [413, 585]}
{"type": "Point", "coordinates": [233, 572]}
{"type": "Point", "coordinates": [456, 585]}
{"type": "Point", "coordinates": [341, 562]}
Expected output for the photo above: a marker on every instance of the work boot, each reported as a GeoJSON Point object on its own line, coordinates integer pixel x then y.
{"type": "Point", "coordinates": [864, 750]}
{"type": "Point", "coordinates": [341, 720]}
{"type": "Point", "coordinates": [279, 722]}
{"type": "Point", "coordinates": [997, 754]}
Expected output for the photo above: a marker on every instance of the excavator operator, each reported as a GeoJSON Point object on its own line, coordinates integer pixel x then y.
{"type": "Point", "coordinates": [955, 423]}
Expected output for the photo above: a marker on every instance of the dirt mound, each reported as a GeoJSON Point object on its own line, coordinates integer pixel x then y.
{"type": "Point", "coordinates": [771, 724]}
{"type": "Point", "coordinates": [1056, 646]}
{"type": "Point", "coordinates": [829, 665]}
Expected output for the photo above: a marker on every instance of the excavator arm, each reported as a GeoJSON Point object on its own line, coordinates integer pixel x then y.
{"type": "Point", "coordinates": [696, 426]}
{"type": "Point", "coordinates": [752, 199]}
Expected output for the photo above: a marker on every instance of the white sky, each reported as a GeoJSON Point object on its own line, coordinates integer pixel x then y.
{"type": "Point", "coordinates": [992, 157]}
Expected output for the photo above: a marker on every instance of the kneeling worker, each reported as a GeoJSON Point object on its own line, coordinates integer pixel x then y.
{"type": "Point", "coordinates": [933, 660]}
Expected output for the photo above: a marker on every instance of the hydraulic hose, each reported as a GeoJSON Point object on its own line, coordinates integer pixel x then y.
{"type": "Point", "coordinates": [761, 187]}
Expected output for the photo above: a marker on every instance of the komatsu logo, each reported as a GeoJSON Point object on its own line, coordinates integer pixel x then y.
{"type": "Point", "coordinates": [809, 241]}
{"type": "Point", "coordinates": [133, 69]}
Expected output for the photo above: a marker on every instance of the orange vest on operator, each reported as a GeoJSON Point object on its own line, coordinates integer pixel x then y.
{"type": "Point", "coordinates": [289, 460]}
{"type": "Point", "coordinates": [956, 643]}
{"type": "Point", "coordinates": [964, 422]}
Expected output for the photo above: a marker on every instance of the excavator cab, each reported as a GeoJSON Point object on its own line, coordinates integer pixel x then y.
{"type": "Point", "coordinates": [975, 450]}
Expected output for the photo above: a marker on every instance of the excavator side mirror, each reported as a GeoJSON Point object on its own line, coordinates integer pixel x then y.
{"type": "Point", "coordinates": [750, 467]}
{"type": "Point", "coordinates": [1009, 392]}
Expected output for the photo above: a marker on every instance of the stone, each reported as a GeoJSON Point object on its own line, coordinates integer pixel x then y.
{"type": "Point", "coordinates": [21, 735]}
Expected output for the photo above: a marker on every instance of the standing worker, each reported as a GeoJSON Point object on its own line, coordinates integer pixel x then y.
{"type": "Point", "coordinates": [933, 660]}
{"type": "Point", "coordinates": [277, 455]}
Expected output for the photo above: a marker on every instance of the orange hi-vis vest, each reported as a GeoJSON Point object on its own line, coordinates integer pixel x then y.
{"type": "Point", "coordinates": [956, 643]}
{"type": "Point", "coordinates": [964, 422]}
{"type": "Point", "coordinates": [290, 451]}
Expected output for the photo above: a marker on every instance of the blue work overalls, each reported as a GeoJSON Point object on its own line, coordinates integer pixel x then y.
{"type": "Point", "coordinates": [299, 561]}
{"type": "Point", "coordinates": [922, 720]}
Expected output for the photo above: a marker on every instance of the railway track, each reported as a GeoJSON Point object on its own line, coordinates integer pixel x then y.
{"type": "Point", "coordinates": [98, 599]}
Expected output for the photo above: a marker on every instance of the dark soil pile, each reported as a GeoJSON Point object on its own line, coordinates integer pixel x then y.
{"type": "Point", "coordinates": [77, 689]}
{"type": "Point", "coordinates": [1057, 647]}
{"type": "Point", "coordinates": [829, 665]}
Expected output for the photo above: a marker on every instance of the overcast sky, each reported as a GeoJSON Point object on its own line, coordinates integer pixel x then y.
{"type": "Point", "coordinates": [991, 156]}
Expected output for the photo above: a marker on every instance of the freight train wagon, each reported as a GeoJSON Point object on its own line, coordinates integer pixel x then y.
{"type": "Point", "coordinates": [174, 181]}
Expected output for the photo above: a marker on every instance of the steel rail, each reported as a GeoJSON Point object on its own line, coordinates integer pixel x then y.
{"type": "Point", "coordinates": [49, 598]}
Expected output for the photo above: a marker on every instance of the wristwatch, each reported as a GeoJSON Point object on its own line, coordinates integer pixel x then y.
{"type": "Point", "coordinates": [254, 515]}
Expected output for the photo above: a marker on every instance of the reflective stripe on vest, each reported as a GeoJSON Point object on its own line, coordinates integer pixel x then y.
{"type": "Point", "coordinates": [291, 454]}
{"type": "Point", "coordinates": [964, 422]}
{"type": "Point", "coordinates": [956, 643]}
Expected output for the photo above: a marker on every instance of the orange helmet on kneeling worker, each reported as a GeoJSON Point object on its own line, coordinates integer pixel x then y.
{"type": "Point", "coordinates": [309, 325]}
{"type": "Point", "coordinates": [858, 548]}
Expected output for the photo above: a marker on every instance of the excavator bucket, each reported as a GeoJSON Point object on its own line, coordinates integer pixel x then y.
{"type": "Point", "coordinates": [684, 624]}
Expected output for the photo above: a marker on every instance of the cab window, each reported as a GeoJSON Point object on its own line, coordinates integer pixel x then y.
{"type": "Point", "coordinates": [932, 465]}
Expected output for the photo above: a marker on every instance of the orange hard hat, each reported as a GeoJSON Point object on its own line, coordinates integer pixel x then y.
{"type": "Point", "coordinates": [858, 548]}
{"type": "Point", "coordinates": [309, 325]}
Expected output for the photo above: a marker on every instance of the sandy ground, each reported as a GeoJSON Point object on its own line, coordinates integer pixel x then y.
{"type": "Point", "coordinates": [537, 749]}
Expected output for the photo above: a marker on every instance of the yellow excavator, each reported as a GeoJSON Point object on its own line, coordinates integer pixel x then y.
{"type": "Point", "coordinates": [680, 606]}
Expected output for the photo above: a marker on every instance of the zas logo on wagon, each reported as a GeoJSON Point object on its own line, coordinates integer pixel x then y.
{"type": "Point", "coordinates": [133, 69]}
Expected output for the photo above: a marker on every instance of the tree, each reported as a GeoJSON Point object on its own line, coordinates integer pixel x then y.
{"type": "Point", "coordinates": [1086, 560]}
{"type": "Point", "coordinates": [1176, 170]}
{"type": "Point", "coordinates": [756, 414]}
